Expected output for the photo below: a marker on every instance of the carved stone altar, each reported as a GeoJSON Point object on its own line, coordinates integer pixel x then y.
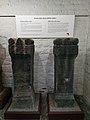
{"type": "Point", "coordinates": [25, 103]}
{"type": "Point", "coordinates": [5, 92]}
{"type": "Point", "coordinates": [62, 104]}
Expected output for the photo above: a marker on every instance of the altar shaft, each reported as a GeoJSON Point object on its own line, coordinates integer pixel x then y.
{"type": "Point", "coordinates": [65, 51]}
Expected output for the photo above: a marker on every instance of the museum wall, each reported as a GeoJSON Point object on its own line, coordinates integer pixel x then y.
{"type": "Point", "coordinates": [87, 68]}
{"type": "Point", "coordinates": [43, 63]}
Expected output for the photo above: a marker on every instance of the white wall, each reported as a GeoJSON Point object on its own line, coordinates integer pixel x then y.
{"type": "Point", "coordinates": [87, 67]}
{"type": "Point", "coordinates": [44, 47]}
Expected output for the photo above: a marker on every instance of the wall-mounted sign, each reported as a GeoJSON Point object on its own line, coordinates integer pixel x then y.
{"type": "Point", "coordinates": [44, 26]}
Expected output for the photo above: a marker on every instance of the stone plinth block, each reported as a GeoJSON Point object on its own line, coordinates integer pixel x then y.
{"type": "Point", "coordinates": [25, 102]}
{"type": "Point", "coordinates": [62, 104]}
{"type": "Point", "coordinates": [63, 113]}
{"type": "Point", "coordinates": [22, 109]}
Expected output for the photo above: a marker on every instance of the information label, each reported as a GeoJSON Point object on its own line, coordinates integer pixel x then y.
{"type": "Point", "coordinates": [44, 26]}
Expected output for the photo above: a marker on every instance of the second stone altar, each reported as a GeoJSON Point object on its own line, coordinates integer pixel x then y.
{"type": "Point", "coordinates": [62, 104]}
{"type": "Point", "coordinates": [5, 92]}
{"type": "Point", "coordinates": [25, 102]}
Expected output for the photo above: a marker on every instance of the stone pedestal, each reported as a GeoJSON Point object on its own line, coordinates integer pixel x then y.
{"type": "Point", "coordinates": [65, 51]}
{"type": "Point", "coordinates": [5, 92]}
{"type": "Point", "coordinates": [22, 109]}
{"type": "Point", "coordinates": [56, 112]}
{"type": "Point", "coordinates": [25, 103]}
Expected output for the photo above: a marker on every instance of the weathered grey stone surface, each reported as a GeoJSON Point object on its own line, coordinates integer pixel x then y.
{"type": "Point", "coordinates": [2, 57]}
{"type": "Point", "coordinates": [55, 108]}
{"type": "Point", "coordinates": [44, 108]}
{"type": "Point", "coordinates": [25, 104]}
{"type": "Point", "coordinates": [65, 51]}
{"type": "Point", "coordinates": [22, 57]}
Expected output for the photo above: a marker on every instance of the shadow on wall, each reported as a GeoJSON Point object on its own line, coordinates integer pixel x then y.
{"type": "Point", "coordinates": [50, 72]}
{"type": "Point", "coordinates": [87, 78]}
{"type": "Point", "coordinates": [39, 73]}
{"type": "Point", "coordinates": [79, 73]}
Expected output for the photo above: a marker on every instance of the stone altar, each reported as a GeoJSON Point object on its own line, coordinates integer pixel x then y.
{"type": "Point", "coordinates": [62, 104]}
{"type": "Point", "coordinates": [5, 92]}
{"type": "Point", "coordinates": [25, 103]}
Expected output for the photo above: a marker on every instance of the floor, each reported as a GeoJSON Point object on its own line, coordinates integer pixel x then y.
{"type": "Point", "coordinates": [84, 106]}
